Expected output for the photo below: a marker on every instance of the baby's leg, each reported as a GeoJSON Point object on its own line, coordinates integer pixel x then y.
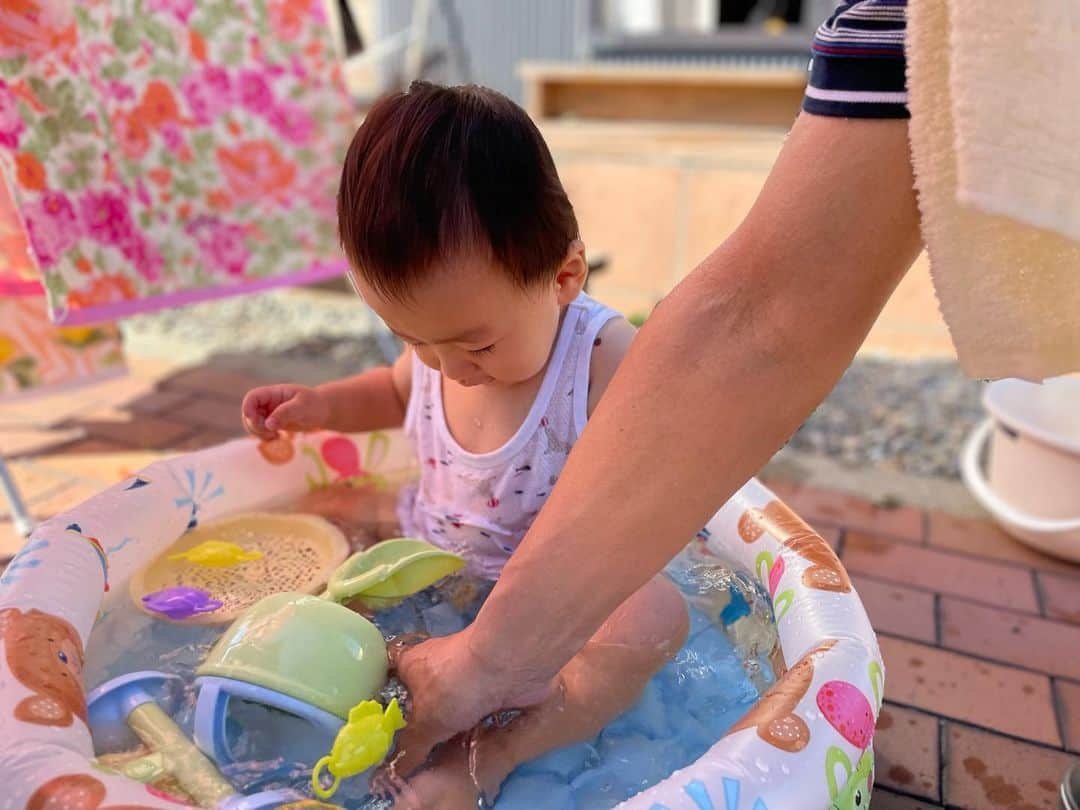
{"type": "Point", "coordinates": [365, 514]}
{"type": "Point", "coordinates": [600, 683]}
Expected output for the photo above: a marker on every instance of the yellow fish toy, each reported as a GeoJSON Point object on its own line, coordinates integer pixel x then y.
{"type": "Point", "coordinates": [217, 554]}
{"type": "Point", "coordinates": [362, 743]}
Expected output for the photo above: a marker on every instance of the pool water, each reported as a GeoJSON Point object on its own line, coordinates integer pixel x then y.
{"type": "Point", "coordinates": [686, 707]}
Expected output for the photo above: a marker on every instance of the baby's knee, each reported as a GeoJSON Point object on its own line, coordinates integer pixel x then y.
{"type": "Point", "coordinates": [655, 617]}
{"type": "Point", "coordinates": [672, 617]}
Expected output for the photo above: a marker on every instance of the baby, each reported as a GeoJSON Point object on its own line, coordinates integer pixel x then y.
{"type": "Point", "coordinates": [461, 238]}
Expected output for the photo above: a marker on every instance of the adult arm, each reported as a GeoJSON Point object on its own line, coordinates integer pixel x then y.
{"type": "Point", "coordinates": [722, 374]}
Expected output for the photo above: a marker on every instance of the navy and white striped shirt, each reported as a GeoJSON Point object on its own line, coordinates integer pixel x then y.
{"type": "Point", "coordinates": [857, 63]}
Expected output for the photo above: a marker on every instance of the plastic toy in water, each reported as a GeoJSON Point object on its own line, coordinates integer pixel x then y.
{"type": "Point", "coordinates": [135, 708]}
{"type": "Point", "coordinates": [266, 657]}
{"type": "Point", "coordinates": [386, 573]}
{"type": "Point", "coordinates": [279, 553]}
{"type": "Point", "coordinates": [217, 554]}
{"type": "Point", "coordinates": [362, 743]}
{"type": "Point", "coordinates": [180, 603]}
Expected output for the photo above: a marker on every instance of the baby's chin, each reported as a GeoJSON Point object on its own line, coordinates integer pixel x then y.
{"type": "Point", "coordinates": [473, 382]}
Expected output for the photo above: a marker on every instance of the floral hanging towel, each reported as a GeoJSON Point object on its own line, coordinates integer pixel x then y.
{"type": "Point", "coordinates": [162, 152]}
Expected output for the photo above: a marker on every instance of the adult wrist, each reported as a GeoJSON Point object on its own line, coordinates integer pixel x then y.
{"type": "Point", "coordinates": [510, 647]}
{"type": "Point", "coordinates": [489, 649]}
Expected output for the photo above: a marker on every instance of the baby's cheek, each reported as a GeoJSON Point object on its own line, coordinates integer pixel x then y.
{"type": "Point", "coordinates": [519, 369]}
{"type": "Point", "coordinates": [428, 358]}
{"type": "Point", "coordinates": [532, 359]}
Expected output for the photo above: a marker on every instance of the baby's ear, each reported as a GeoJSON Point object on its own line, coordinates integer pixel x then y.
{"type": "Point", "coordinates": [570, 278]}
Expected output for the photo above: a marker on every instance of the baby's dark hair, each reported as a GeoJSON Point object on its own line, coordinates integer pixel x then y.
{"type": "Point", "coordinates": [436, 173]}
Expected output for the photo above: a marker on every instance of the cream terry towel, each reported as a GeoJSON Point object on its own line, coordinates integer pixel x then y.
{"type": "Point", "coordinates": [1015, 86]}
{"type": "Point", "coordinates": [1009, 291]}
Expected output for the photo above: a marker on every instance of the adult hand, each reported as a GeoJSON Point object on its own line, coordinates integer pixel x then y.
{"type": "Point", "coordinates": [451, 690]}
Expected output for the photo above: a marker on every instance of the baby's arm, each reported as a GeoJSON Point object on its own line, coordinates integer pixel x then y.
{"type": "Point", "coordinates": [373, 400]}
{"type": "Point", "coordinates": [612, 344]}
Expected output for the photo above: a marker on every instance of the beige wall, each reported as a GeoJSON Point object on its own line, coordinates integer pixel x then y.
{"type": "Point", "coordinates": [657, 199]}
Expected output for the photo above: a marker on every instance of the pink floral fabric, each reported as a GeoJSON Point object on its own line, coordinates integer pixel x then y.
{"type": "Point", "coordinates": [35, 354]}
{"type": "Point", "coordinates": [18, 274]}
{"type": "Point", "coordinates": [181, 151]}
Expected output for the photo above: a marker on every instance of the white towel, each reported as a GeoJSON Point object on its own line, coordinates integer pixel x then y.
{"type": "Point", "coordinates": [1009, 291]}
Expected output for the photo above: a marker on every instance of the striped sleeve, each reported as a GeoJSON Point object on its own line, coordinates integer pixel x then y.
{"type": "Point", "coordinates": [857, 62]}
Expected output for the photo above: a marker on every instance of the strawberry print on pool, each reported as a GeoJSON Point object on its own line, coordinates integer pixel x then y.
{"type": "Point", "coordinates": [166, 151]}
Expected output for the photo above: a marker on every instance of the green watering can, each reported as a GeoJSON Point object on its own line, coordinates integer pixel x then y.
{"type": "Point", "coordinates": [311, 656]}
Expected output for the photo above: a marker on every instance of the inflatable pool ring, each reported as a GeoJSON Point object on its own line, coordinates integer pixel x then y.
{"type": "Point", "coordinates": [806, 744]}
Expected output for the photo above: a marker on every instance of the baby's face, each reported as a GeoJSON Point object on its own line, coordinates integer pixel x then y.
{"type": "Point", "coordinates": [473, 324]}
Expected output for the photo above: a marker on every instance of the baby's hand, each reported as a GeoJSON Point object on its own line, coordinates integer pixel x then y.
{"type": "Point", "coordinates": [271, 408]}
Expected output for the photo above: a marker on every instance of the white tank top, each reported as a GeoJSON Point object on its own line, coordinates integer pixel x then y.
{"type": "Point", "coordinates": [480, 505]}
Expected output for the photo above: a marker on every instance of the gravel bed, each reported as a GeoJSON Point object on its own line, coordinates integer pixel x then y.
{"type": "Point", "coordinates": [269, 321]}
{"type": "Point", "coordinates": [300, 335]}
{"type": "Point", "coordinates": [907, 416]}
{"type": "Point", "coordinates": [902, 415]}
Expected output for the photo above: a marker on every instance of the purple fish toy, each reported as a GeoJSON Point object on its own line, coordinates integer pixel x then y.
{"type": "Point", "coordinates": [181, 602]}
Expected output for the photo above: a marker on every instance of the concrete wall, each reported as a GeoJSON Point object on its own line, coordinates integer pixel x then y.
{"type": "Point", "coordinates": [499, 34]}
{"type": "Point", "coordinates": [496, 34]}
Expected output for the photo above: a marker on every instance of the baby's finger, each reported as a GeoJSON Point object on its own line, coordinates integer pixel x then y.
{"type": "Point", "coordinates": [253, 416]}
{"type": "Point", "coordinates": [384, 785]}
{"type": "Point", "coordinates": [413, 746]}
{"type": "Point", "coordinates": [289, 415]}
{"type": "Point", "coordinates": [256, 426]}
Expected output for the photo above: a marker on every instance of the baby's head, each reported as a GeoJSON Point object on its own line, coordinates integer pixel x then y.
{"type": "Point", "coordinates": [458, 231]}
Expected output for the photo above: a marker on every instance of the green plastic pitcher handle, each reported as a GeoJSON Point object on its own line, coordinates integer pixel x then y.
{"type": "Point", "coordinates": [391, 570]}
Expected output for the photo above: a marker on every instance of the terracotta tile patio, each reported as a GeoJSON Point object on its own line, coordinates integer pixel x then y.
{"type": "Point", "coordinates": [981, 640]}
{"type": "Point", "coordinates": [981, 636]}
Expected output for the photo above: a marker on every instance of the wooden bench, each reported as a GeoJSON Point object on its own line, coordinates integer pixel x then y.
{"type": "Point", "coordinates": [662, 92]}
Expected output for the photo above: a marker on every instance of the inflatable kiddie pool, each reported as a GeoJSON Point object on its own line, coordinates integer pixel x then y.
{"type": "Point", "coordinates": [805, 744]}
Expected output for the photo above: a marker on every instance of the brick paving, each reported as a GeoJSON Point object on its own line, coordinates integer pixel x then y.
{"type": "Point", "coordinates": [981, 640]}
{"type": "Point", "coordinates": [980, 635]}
{"type": "Point", "coordinates": [62, 449]}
